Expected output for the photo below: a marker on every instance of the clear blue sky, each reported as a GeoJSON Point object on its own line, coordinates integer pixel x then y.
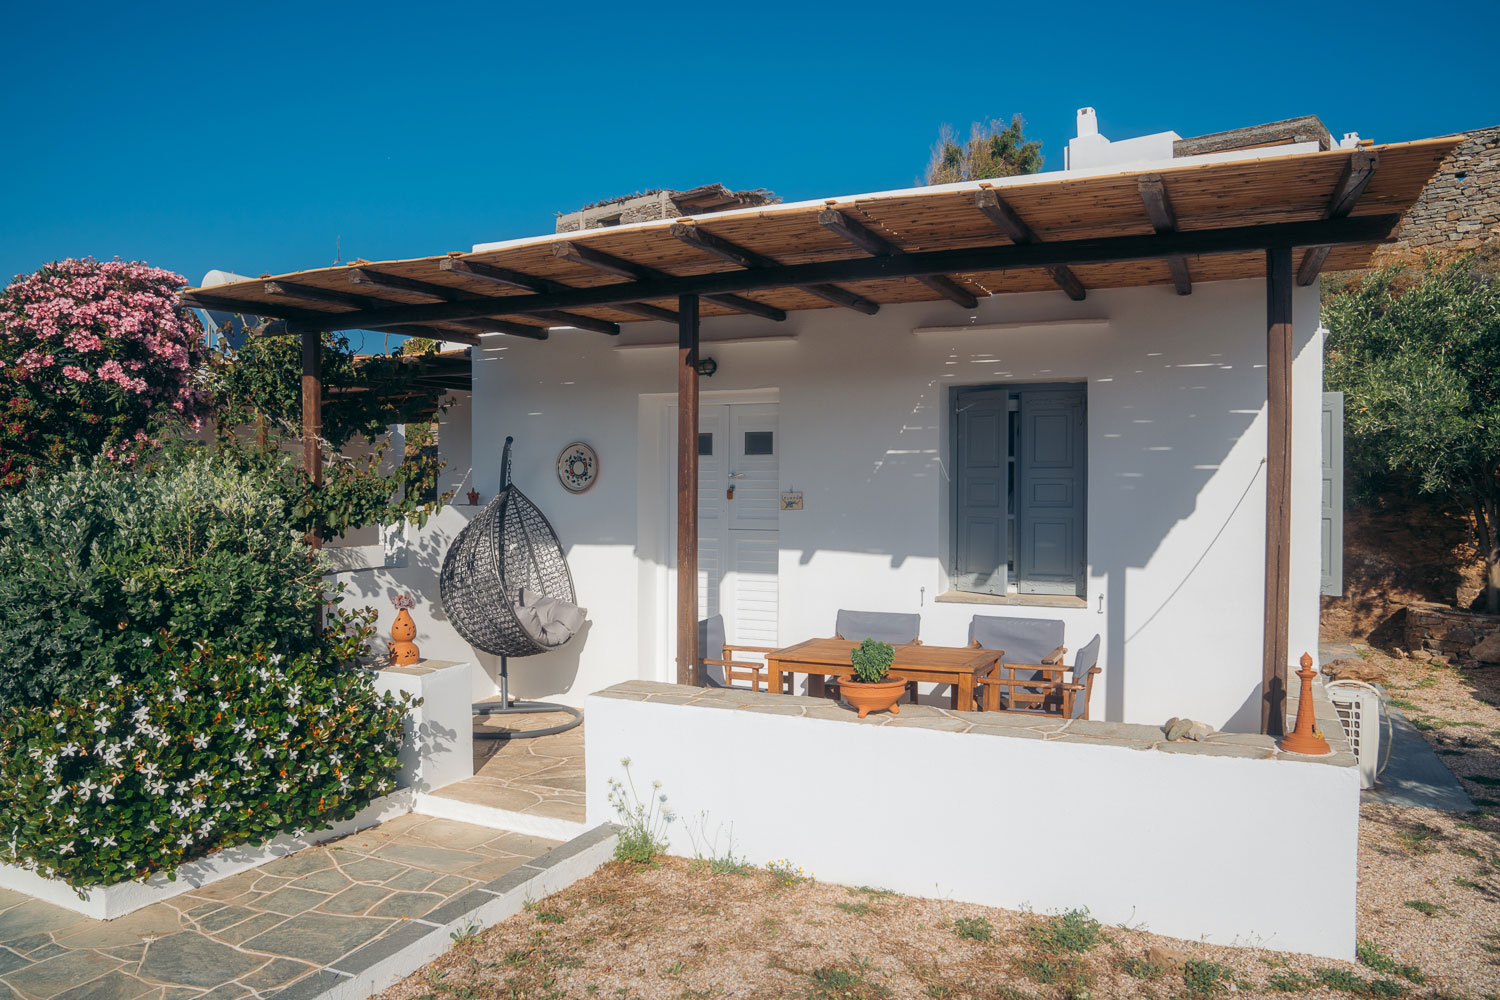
{"type": "Point", "coordinates": [269, 137]}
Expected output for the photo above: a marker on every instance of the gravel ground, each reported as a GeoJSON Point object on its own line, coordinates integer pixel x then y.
{"type": "Point", "coordinates": [1429, 903]}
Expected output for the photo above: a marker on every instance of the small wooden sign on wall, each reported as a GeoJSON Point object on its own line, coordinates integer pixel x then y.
{"type": "Point", "coordinates": [791, 500]}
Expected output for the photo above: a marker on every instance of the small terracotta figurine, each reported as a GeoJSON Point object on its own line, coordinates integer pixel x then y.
{"type": "Point", "coordinates": [404, 652]}
{"type": "Point", "coordinates": [1306, 737]}
{"type": "Point", "coordinates": [473, 498]}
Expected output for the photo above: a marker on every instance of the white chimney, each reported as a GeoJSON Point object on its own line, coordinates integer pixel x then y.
{"type": "Point", "coordinates": [1088, 122]}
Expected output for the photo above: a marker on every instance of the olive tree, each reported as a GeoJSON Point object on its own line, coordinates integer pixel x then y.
{"type": "Point", "coordinates": [1417, 354]}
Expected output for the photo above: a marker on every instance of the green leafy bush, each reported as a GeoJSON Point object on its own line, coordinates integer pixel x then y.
{"type": "Point", "coordinates": [211, 750]}
{"type": "Point", "coordinates": [98, 563]}
{"type": "Point", "coordinates": [872, 661]}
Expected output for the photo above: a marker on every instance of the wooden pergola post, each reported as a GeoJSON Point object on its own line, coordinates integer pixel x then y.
{"type": "Point", "coordinates": [1279, 277]}
{"type": "Point", "coordinates": [687, 489]}
{"type": "Point", "coordinates": [312, 415]}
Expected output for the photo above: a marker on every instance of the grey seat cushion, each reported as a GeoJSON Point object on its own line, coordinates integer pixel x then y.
{"type": "Point", "coordinates": [882, 626]}
{"type": "Point", "coordinates": [550, 620]}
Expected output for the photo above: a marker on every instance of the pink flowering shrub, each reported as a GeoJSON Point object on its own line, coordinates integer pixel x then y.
{"type": "Point", "coordinates": [94, 359]}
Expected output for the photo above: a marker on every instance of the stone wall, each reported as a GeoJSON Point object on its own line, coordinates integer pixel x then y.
{"type": "Point", "coordinates": [1460, 208]}
{"type": "Point", "coordinates": [1437, 631]}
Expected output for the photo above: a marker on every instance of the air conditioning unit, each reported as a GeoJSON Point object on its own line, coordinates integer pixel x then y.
{"type": "Point", "coordinates": [1360, 709]}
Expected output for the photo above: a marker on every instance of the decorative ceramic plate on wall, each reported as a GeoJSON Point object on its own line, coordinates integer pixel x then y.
{"type": "Point", "coordinates": [577, 467]}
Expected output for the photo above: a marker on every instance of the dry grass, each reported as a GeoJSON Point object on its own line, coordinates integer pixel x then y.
{"type": "Point", "coordinates": [1429, 913]}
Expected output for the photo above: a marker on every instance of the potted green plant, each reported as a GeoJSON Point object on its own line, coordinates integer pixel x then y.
{"type": "Point", "coordinates": [872, 688]}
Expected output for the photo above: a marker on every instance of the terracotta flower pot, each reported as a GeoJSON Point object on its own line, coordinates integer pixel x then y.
{"type": "Point", "coordinates": [877, 696]}
{"type": "Point", "coordinates": [403, 651]}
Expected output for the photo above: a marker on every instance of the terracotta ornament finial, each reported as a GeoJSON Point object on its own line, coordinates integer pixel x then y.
{"type": "Point", "coordinates": [1305, 738]}
{"type": "Point", "coordinates": [404, 652]}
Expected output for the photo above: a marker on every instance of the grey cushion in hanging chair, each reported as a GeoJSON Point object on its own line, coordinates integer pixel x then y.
{"type": "Point", "coordinates": [551, 621]}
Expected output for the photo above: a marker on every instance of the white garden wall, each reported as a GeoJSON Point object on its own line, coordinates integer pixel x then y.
{"type": "Point", "coordinates": [1200, 845]}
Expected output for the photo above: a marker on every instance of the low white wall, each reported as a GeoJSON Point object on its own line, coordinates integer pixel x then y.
{"type": "Point", "coordinates": [438, 744]}
{"type": "Point", "coordinates": [1201, 847]}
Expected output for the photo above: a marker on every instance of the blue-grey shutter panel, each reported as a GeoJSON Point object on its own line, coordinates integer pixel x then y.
{"type": "Point", "coordinates": [1333, 494]}
{"type": "Point", "coordinates": [1050, 480]}
{"type": "Point", "coordinates": [981, 452]}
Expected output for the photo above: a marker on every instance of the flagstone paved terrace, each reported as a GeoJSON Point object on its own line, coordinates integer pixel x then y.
{"type": "Point", "coordinates": [254, 933]}
{"type": "Point", "coordinates": [540, 777]}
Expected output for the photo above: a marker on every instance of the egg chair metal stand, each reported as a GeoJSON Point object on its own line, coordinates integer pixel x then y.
{"type": "Point", "coordinates": [508, 548]}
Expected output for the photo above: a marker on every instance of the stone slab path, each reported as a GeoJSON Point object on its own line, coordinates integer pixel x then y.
{"type": "Point", "coordinates": [537, 777]}
{"type": "Point", "coordinates": [255, 933]}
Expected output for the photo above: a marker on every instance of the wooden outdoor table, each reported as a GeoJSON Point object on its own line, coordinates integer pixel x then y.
{"type": "Point", "coordinates": [959, 666]}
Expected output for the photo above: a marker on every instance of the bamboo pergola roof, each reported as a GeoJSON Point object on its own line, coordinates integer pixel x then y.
{"type": "Point", "coordinates": [1073, 231]}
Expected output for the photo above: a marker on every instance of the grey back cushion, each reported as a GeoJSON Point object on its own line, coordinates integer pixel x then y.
{"type": "Point", "coordinates": [550, 620]}
{"type": "Point", "coordinates": [1025, 640]}
{"type": "Point", "coordinates": [711, 647]}
{"type": "Point", "coordinates": [1083, 661]}
{"type": "Point", "coordinates": [882, 626]}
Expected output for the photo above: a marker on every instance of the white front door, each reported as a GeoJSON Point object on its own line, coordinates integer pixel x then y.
{"type": "Point", "coordinates": [739, 493]}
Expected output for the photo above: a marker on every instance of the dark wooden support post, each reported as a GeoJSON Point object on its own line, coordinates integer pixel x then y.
{"type": "Point", "coordinates": [1279, 279]}
{"type": "Point", "coordinates": [687, 489]}
{"type": "Point", "coordinates": [312, 414]}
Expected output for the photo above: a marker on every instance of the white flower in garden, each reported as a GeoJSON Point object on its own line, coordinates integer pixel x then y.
{"type": "Point", "coordinates": [200, 777]}
{"type": "Point", "coordinates": [101, 725]}
{"type": "Point", "coordinates": [384, 785]}
{"type": "Point", "coordinates": [72, 819]}
{"type": "Point", "coordinates": [237, 725]}
{"type": "Point", "coordinates": [66, 848]}
{"type": "Point", "coordinates": [57, 794]}
{"type": "Point", "coordinates": [153, 827]}
{"type": "Point", "coordinates": [109, 842]}
{"type": "Point", "coordinates": [105, 794]}
{"type": "Point", "coordinates": [70, 750]}
{"type": "Point", "coordinates": [179, 694]}
{"type": "Point", "coordinates": [200, 742]}
{"type": "Point", "coordinates": [130, 864]}
{"type": "Point", "coordinates": [156, 788]}
{"type": "Point", "coordinates": [199, 802]}
{"type": "Point", "coordinates": [112, 755]}
{"type": "Point", "coordinates": [282, 787]}
{"type": "Point", "coordinates": [250, 733]}
{"type": "Point", "coordinates": [54, 713]}
{"type": "Point", "coordinates": [322, 711]}
{"type": "Point", "coordinates": [128, 742]}
{"type": "Point", "coordinates": [240, 759]}
{"type": "Point", "coordinates": [61, 727]}
{"type": "Point", "coordinates": [146, 641]}
{"type": "Point", "coordinates": [275, 658]}
{"type": "Point", "coordinates": [294, 696]}
{"type": "Point", "coordinates": [299, 833]}
{"type": "Point", "coordinates": [291, 720]}
{"type": "Point", "coordinates": [150, 769]}
{"type": "Point", "coordinates": [114, 681]}
{"type": "Point", "coordinates": [268, 752]}
{"type": "Point", "coordinates": [293, 754]}
{"type": "Point", "coordinates": [186, 840]}
{"type": "Point", "coordinates": [206, 828]}
{"type": "Point", "coordinates": [85, 789]}
{"type": "Point", "coordinates": [94, 841]}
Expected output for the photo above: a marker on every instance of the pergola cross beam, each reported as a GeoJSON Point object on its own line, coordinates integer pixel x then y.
{"type": "Point", "coordinates": [717, 246]}
{"type": "Point", "coordinates": [1346, 194]}
{"type": "Point", "coordinates": [1158, 205]}
{"type": "Point", "coordinates": [1017, 231]}
{"type": "Point", "coordinates": [599, 260]}
{"type": "Point", "coordinates": [540, 285]}
{"type": "Point", "coordinates": [875, 245]}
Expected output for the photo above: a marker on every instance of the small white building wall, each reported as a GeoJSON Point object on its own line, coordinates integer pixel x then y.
{"type": "Point", "coordinates": [1176, 504]}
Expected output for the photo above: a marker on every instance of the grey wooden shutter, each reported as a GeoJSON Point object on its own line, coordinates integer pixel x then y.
{"type": "Point", "coordinates": [980, 454]}
{"type": "Point", "coordinates": [1050, 483]}
{"type": "Point", "coordinates": [1333, 494]}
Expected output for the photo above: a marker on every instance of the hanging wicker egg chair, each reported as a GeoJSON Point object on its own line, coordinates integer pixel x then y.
{"type": "Point", "coordinates": [506, 588]}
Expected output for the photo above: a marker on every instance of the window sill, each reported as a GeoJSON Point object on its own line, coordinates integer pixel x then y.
{"type": "Point", "coordinates": [1016, 600]}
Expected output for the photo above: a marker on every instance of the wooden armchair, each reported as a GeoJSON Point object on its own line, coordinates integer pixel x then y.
{"type": "Point", "coordinates": [733, 670]}
{"type": "Point", "coordinates": [1031, 675]}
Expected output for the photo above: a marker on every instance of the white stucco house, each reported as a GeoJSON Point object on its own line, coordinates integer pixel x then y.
{"type": "Point", "coordinates": [1086, 436]}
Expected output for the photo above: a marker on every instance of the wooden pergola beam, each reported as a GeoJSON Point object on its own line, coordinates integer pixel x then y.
{"type": "Point", "coordinates": [312, 293]}
{"type": "Point", "coordinates": [740, 256]}
{"type": "Point", "coordinates": [1196, 242]}
{"type": "Point", "coordinates": [1346, 194]}
{"type": "Point", "coordinates": [599, 260]}
{"type": "Point", "coordinates": [540, 285]}
{"type": "Point", "coordinates": [876, 245]}
{"type": "Point", "coordinates": [1163, 218]}
{"type": "Point", "coordinates": [447, 294]}
{"type": "Point", "coordinates": [687, 490]}
{"type": "Point", "coordinates": [1275, 641]}
{"type": "Point", "coordinates": [1015, 228]}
